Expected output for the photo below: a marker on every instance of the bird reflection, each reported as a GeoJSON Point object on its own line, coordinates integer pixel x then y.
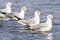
{"type": "Point", "coordinates": [48, 35]}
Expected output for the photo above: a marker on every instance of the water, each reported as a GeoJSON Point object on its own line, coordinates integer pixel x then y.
{"type": "Point", "coordinates": [12, 30]}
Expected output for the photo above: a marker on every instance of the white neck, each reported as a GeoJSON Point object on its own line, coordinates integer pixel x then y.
{"type": "Point", "coordinates": [22, 14]}
{"type": "Point", "coordinates": [37, 19]}
{"type": "Point", "coordinates": [8, 9]}
{"type": "Point", "coordinates": [49, 23]}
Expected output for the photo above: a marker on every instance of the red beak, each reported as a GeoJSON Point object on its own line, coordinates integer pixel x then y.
{"type": "Point", "coordinates": [41, 14]}
{"type": "Point", "coordinates": [54, 17]}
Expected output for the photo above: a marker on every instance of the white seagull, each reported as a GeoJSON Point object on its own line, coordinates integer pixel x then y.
{"type": "Point", "coordinates": [20, 15]}
{"type": "Point", "coordinates": [32, 21]}
{"type": "Point", "coordinates": [7, 10]}
{"type": "Point", "coordinates": [47, 26]}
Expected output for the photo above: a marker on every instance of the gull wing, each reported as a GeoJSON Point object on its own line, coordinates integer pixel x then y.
{"type": "Point", "coordinates": [27, 21]}
{"type": "Point", "coordinates": [41, 25]}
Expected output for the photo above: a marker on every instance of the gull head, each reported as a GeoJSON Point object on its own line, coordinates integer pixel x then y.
{"type": "Point", "coordinates": [50, 17]}
{"type": "Point", "coordinates": [24, 8]}
{"type": "Point", "coordinates": [38, 13]}
{"type": "Point", "coordinates": [9, 4]}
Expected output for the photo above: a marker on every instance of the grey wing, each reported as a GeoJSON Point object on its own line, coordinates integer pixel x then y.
{"type": "Point", "coordinates": [42, 25]}
{"type": "Point", "coordinates": [31, 21]}
{"type": "Point", "coordinates": [16, 14]}
{"type": "Point", "coordinates": [34, 26]}
{"type": "Point", "coordinates": [10, 15]}
{"type": "Point", "coordinates": [27, 21]}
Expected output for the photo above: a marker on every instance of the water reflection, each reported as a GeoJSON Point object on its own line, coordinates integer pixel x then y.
{"type": "Point", "coordinates": [48, 35]}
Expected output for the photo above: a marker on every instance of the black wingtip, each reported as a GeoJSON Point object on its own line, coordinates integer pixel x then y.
{"type": "Point", "coordinates": [2, 12]}
{"type": "Point", "coordinates": [18, 18]}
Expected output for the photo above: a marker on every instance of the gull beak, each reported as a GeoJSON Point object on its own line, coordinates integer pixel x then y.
{"type": "Point", "coordinates": [41, 14]}
{"type": "Point", "coordinates": [54, 17]}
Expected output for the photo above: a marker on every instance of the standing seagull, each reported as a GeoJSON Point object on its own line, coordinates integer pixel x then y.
{"type": "Point", "coordinates": [47, 26]}
{"type": "Point", "coordinates": [20, 15]}
{"type": "Point", "coordinates": [7, 9]}
{"type": "Point", "coordinates": [32, 21]}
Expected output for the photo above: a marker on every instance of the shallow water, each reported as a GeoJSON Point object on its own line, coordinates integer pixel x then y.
{"type": "Point", "coordinates": [12, 30]}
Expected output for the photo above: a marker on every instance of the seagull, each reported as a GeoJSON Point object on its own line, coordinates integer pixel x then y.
{"type": "Point", "coordinates": [21, 14]}
{"type": "Point", "coordinates": [7, 9]}
{"type": "Point", "coordinates": [47, 26]}
{"type": "Point", "coordinates": [18, 16]}
{"type": "Point", "coordinates": [32, 21]}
